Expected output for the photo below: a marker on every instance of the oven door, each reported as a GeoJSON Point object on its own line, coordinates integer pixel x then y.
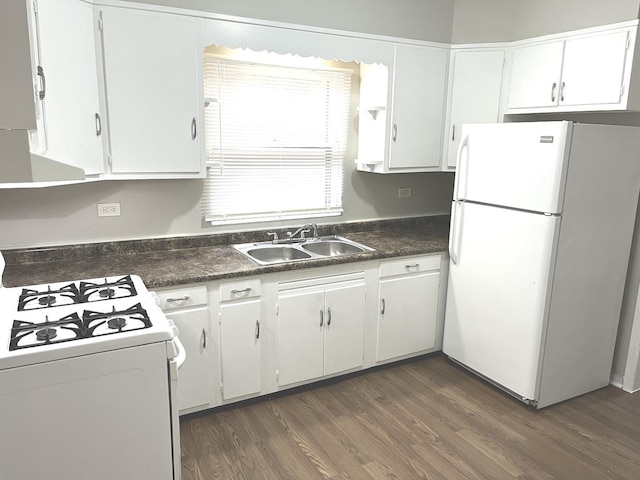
{"type": "Point", "coordinates": [103, 416]}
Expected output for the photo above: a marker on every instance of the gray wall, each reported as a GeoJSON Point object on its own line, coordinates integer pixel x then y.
{"type": "Point", "coordinates": [507, 20]}
{"type": "Point", "coordinates": [418, 19]}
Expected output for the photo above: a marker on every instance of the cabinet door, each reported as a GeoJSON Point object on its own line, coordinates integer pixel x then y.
{"type": "Point", "coordinates": [593, 69]}
{"type": "Point", "coordinates": [301, 318]}
{"type": "Point", "coordinates": [419, 85]}
{"type": "Point", "coordinates": [535, 75]}
{"type": "Point", "coordinates": [152, 64]}
{"type": "Point", "coordinates": [407, 321]}
{"type": "Point", "coordinates": [240, 348]}
{"type": "Point", "coordinates": [344, 328]}
{"type": "Point", "coordinates": [67, 47]}
{"type": "Point", "coordinates": [195, 381]}
{"type": "Point", "coordinates": [17, 110]}
{"type": "Point", "coordinates": [475, 95]}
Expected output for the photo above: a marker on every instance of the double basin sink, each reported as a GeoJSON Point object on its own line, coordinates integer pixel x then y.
{"type": "Point", "coordinates": [267, 253]}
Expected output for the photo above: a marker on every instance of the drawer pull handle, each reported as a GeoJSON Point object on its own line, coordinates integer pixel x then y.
{"type": "Point", "coordinates": [257, 328]}
{"type": "Point", "coordinates": [204, 339]}
{"type": "Point", "coordinates": [415, 265]}
{"type": "Point", "coordinates": [244, 290]}
{"type": "Point", "coordinates": [184, 298]}
{"type": "Point", "coordinates": [384, 307]}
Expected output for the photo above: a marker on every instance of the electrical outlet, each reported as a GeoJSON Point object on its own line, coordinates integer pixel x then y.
{"type": "Point", "coordinates": [109, 209]}
{"type": "Point", "coordinates": [404, 192]}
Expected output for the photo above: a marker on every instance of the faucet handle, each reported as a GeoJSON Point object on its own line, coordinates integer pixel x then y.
{"type": "Point", "coordinates": [274, 235]}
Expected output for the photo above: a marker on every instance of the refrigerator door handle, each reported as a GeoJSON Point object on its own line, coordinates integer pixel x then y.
{"type": "Point", "coordinates": [464, 144]}
{"type": "Point", "coordinates": [456, 232]}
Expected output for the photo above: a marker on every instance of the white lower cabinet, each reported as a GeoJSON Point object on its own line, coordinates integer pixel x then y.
{"type": "Point", "coordinates": [187, 307]}
{"type": "Point", "coordinates": [320, 328]}
{"type": "Point", "coordinates": [408, 316]}
{"type": "Point", "coordinates": [239, 319]}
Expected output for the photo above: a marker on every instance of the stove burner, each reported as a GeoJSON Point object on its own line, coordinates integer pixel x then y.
{"type": "Point", "coordinates": [106, 293]}
{"type": "Point", "coordinates": [116, 323]}
{"type": "Point", "coordinates": [47, 300]}
{"type": "Point", "coordinates": [46, 334]}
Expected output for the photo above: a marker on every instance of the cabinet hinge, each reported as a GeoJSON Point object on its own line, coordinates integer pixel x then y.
{"type": "Point", "coordinates": [221, 390]}
{"type": "Point", "coordinates": [277, 377]}
{"type": "Point", "coordinates": [35, 6]}
{"type": "Point", "coordinates": [628, 43]}
{"type": "Point", "coordinates": [621, 91]}
{"type": "Point", "coordinates": [100, 24]}
{"type": "Point", "coordinates": [277, 309]}
{"type": "Point", "coordinates": [110, 161]}
{"type": "Point", "coordinates": [219, 318]}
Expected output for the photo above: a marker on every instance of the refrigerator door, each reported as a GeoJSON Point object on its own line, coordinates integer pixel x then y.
{"type": "Point", "coordinates": [497, 292]}
{"type": "Point", "coordinates": [515, 165]}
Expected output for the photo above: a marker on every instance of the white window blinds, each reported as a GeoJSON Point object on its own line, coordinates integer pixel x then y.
{"type": "Point", "coordinates": [275, 138]}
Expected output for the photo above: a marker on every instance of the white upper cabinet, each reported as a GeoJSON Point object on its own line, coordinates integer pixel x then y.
{"type": "Point", "coordinates": [402, 111]}
{"type": "Point", "coordinates": [576, 72]}
{"type": "Point", "coordinates": [16, 109]}
{"type": "Point", "coordinates": [67, 51]}
{"type": "Point", "coordinates": [153, 85]}
{"type": "Point", "coordinates": [474, 94]}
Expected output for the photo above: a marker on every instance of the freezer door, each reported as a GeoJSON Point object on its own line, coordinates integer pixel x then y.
{"type": "Point", "coordinates": [516, 165]}
{"type": "Point", "coordinates": [497, 292]}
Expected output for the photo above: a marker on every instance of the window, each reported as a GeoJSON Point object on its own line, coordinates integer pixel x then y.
{"type": "Point", "coordinates": [276, 137]}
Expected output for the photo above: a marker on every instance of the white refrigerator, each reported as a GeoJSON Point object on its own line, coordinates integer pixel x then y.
{"type": "Point", "coordinates": [541, 228]}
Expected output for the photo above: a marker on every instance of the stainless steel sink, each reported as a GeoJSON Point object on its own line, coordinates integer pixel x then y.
{"type": "Point", "coordinates": [267, 253]}
{"type": "Point", "coordinates": [332, 247]}
{"type": "Point", "coordinates": [277, 254]}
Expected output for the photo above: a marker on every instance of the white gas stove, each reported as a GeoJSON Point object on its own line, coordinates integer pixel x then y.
{"type": "Point", "coordinates": [67, 319]}
{"type": "Point", "coordinates": [88, 366]}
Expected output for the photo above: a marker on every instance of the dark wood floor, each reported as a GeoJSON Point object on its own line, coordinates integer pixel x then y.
{"type": "Point", "coordinates": [428, 419]}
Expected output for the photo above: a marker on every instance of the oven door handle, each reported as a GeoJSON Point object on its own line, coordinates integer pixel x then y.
{"type": "Point", "coordinates": [182, 353]}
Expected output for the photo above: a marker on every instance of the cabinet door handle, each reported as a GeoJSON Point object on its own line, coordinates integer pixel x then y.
{"type": "Point", "coordinates": [562, 92]}
{"type": "Point", "coordinates": [43, 83]}
{"type": "Point", "coordinates": [453, 133]}
{"type": "Point", "coordinates": [184, 298]}
{"type": "Point", "coordinates": [415, 265]}
{"type": "Point", "coordinates": [394, 136]}
{"type": "Point", "coordinates": [553, 91]}
{"type": "Point", "coordinates": [328, 316]}
{"type": "Point", "coordinates": [194, 131]}
{"type": "Point", "coordinates": [98, 125]}
{"type": "Point", "coordinates": [204, 339]}
{"type": "Point", "coordinates": [321, 317]}
{"type": "Point", "coordinates": [244, 290]}
{"type": "Point", "coordinates": [257, 328]}
{"type": "Point", "coordinates": [384, 307]}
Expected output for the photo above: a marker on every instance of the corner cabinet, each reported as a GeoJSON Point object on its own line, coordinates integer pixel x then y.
{"type": "Point", "coordinates": [320, 327]}
{"type": "Point", "coordinates": [188, 308]}
{"type": "Point", "coordinates": [409, 301]}
{"type": "Point", "coordinates": [401, 111]}
{"type": "Point", "coordinates": [475, 91]}
{"type": "Point", "coordinates": [152, 73]}
{"type": "Point", "coordinates": [588, 71]}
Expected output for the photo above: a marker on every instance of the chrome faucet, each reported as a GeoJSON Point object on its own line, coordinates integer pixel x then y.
{"type": "Point", "coordinates": [306, 228]}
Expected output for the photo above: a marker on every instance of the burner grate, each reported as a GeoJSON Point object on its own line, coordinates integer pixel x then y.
{"type": "Point", "coordinates": [91, 324]}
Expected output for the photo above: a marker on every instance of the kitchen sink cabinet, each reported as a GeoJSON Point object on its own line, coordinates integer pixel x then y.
{"type": "Point", "coordinates": [240, 323]}
{"type": "Point", "coordinates": [401, 111]}
{"type": "Point", "coordinates": [409, 293]}
{"type": "Point", "coordinates": [152, 66]}
{"type": "Point", "coordinates": [475, 89]}
{"type": "Point", "coordinates": [188, 308]}
{"type": "Point", "coordinates": [320, 327]}
{"type": "Point", "coordinates": [575, 72]}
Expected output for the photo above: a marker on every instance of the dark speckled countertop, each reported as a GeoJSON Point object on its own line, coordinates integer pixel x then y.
{"type": "Point", "coordinates": [182, 260]}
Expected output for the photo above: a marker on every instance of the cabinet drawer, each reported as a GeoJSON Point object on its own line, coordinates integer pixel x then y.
{"type": "Point", "coordinates": [182, 297]}
{"type": "Point", "coordinates": [240, 289]}
{"type": "Point", "coordinates": [405, 265]}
